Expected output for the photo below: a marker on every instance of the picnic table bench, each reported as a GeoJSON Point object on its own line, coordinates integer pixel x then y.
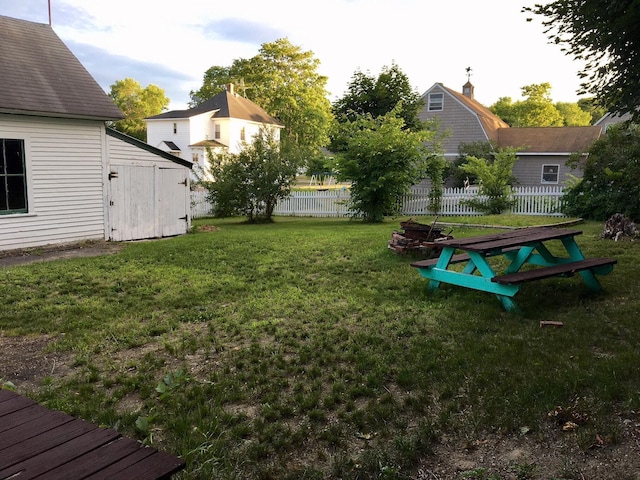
{"type": "Point", "coordinates": [525, 246]}
{"type": "Point", "coordinates": [38, 443]}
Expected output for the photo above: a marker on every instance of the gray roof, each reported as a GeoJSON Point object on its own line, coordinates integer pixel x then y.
{"type": "Point", "coordinates": [40, 76]}
{"type": "Point", "coordinates": [224, 105]}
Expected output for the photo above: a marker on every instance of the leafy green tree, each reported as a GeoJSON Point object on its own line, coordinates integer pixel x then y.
{"type": "Point", "coordinates": [495, 179]}
{"type": "Point", "coordinates": [466, 150]}
{"type": "Point", "coordinates": [611, 179]}
{"type": "Point", "coordinates": [591, 106]}
{"type": "Point", "coordinates": [573, 115]}
{"type": "Point", "coordinates": [367, 94]}
{"type": "Point", "coordinates": [536, 110]}
{"type": "Point", "coordinates": [282, 79]}
{"type": "Point", "coordinates": [250, 182]}
{"type": "Point", "coordinates": [382, 160]}
{"type": "Point", "coordinates": [137, 103]}
{"type": "Point", "coordinates": [603, 33]}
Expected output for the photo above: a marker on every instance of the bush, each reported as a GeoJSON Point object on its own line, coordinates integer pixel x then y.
{"type": "Point", "coordinates": [611, 180]}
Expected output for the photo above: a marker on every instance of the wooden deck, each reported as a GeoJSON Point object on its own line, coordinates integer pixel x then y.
{"type": "Point", "coordinates": [38, 443]}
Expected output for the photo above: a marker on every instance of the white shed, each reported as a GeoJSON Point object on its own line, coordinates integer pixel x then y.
{"type": "Point", "coordinates": [149, 193]}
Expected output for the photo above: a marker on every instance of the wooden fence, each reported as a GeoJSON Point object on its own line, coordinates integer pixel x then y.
{"type": "Point", "coordinates": [333, 203]}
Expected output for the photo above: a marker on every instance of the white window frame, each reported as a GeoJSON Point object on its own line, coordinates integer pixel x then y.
{"type": "Point", "coordinates": [436, 105]}
{"type": "Point", "coordinates": [543, 173]}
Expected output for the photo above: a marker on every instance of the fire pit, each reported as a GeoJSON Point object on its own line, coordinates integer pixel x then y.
{"type": "Point", "coordinates": [417, 238]}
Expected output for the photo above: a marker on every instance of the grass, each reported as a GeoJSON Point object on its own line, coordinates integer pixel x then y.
{"type": "Point", "coordinates": [306, 349]}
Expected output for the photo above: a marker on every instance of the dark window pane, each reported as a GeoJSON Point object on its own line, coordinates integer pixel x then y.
{"type": "Point", "coordinates": [17, 193]}
{"type": "Point", "coordinates": [3, 195]}
{"type": "Point", "coordinates": [13, 155]}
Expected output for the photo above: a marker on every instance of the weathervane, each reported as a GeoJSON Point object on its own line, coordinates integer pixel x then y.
{"type": "Point", "coordinates": [468, 70]}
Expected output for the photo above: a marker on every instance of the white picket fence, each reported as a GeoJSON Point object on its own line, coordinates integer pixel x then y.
{"type": "Point", "coordinates": [333, 203]}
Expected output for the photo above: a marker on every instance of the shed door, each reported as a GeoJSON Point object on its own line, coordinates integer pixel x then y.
{"type": "Point", "coordinates": [174, 202]}
{"type": "Point", "coordinates": [132, 203]}
{"type": "Point", "coordinates": [148, 202]}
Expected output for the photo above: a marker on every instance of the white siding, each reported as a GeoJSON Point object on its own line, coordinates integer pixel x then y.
{"type": "Point", "coordinates": [65, 182]}
{"type": "Point", "coordinates": [159, 131]}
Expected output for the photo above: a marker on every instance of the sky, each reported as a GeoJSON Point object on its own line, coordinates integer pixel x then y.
{"type": "Point", "coordinates": [172, 44]}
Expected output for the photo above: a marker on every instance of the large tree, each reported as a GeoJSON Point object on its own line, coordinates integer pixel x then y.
{"type": "Point", "coordinates": [137, 103]}
{"type": "Point", "coordinates": [603, 33]}
{"type": "Point", "coordinates": [284, 80]}
{"type": "Point", "coordinates": [377, 96]}
{"type": "Point", "coordinates": [536, 110]}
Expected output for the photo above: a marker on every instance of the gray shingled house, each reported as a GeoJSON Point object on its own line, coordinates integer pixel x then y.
{"type": "Point", "coordinates": [542, 151]}
{"type": "Point", "coordinates": [64, 175]}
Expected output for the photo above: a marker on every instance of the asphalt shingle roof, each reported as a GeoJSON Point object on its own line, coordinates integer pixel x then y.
{"type": "Point", "coordinates": [224, 105]}
{"type": "Point", "coordinates": [491, 123]}
{"type": "Point", "coordinates": [549, 139]}
{"type": "Point", "coordinates": [40, 76]}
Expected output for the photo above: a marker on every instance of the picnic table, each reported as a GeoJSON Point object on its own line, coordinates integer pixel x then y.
{"type": "Point", "coordinates": [38, 443]}
{"type": "Point", "coordinates": [520, 247]}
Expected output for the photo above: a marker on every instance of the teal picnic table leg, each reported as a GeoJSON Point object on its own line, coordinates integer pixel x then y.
{"type": "Point", "coordinates": [505, 295]}
{"type": "Point", "coordinates": [508, 303]}
{"type": "Point", "coordinates": [588, 276]}
{"type": "Point", "coordinates": [443, 262]}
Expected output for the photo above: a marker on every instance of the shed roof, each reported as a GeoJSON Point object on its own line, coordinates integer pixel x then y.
{"type": "Point", "coordinates": [549, 139]}
{"type": "Point", "coordinates": [40, 76]}
{"type": "Point", "coordinates": [224, 105]}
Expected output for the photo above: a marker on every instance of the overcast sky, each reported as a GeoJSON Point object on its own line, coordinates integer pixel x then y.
{"type": "Point", "coordinates": [172, 44]}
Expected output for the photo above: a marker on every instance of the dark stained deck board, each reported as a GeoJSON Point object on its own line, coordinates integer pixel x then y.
{"type": "Point", "coordinates": [38, 443]}
{"type": "Point", "coordinates": [14, 436]}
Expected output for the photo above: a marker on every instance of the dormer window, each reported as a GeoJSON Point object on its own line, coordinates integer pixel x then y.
{"type": "Point", "coordinates": [436, 101]}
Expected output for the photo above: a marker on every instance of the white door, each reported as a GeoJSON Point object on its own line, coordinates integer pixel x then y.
{"type": "Point", "coordinates": [174, 202]}
{"type": "Point", "coordinates": [131, 206]}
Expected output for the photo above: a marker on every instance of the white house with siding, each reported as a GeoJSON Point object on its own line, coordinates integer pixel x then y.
{"type": "Point", "coordinates": [226, 121]}
{"type": "Point", "coordinates": [59, 165]}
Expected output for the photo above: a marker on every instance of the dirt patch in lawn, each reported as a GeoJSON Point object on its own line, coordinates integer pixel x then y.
{"type": "Point", "coordinates": [26, 361]}
{"type": "Point", "coordinates": [92, 248]}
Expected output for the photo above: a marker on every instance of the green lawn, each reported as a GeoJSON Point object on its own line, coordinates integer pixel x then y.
{"type": "Point", "coordinates": [306, 349]}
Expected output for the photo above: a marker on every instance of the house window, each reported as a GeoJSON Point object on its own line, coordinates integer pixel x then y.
{"type": "Point", "coordinates": [13, 176]}
{"type": "Point", "coordinates": [194, 157]}
{"type": "Point", "coordinates": [550, 173]}
{"type": "Point", "coordinates": [436, 100]}
{"type": "Point", "coordinates": [242, 134]}
{"type": "Point", "coordinates": [216, 131]}
{"type": "Point", "coordinates": [175, 128]}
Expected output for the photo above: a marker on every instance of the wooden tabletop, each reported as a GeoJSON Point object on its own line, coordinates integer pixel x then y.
{"type": "Point", "coordinates": [511, 238]}
{"type": "Point", "coordinates": [36, 442]}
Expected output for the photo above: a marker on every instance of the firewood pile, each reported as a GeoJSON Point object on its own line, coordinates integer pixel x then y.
{"type": "Point", "coordinates": [417, 238]}
{"type": "Point", "coordinates": [619, 226]}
